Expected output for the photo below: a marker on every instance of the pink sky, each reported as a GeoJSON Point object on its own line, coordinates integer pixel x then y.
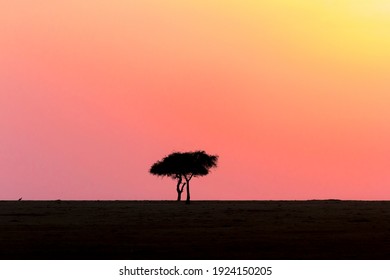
{"type": "Point", "coordinates": [292, 95]}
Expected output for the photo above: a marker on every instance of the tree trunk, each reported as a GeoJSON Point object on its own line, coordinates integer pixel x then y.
{"type": "Point", "coordinates": [179, 191]}
{"type": "Point", "coordinates": [188, 191]}
{"type": "Point", "coordinates": [178, 196]}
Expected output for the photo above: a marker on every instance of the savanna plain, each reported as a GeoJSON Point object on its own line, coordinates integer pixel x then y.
{"type": "Point", "coordinates": [316, 229]}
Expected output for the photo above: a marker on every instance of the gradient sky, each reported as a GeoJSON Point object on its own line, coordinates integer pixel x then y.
{"type": "Point", "coordinates": [293, 95]}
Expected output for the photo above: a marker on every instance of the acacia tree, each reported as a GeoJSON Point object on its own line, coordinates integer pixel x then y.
{"type": "Point", "coordinates": [184, 166]}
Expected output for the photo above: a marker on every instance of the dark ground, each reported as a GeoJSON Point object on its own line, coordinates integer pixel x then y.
{"type": "Point", "coordinates": [202, 230]}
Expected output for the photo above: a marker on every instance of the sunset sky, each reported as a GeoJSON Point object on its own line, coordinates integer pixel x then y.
{"type": "Point", "coordinates": [293, 95]}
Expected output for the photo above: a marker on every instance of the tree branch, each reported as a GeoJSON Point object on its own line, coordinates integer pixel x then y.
{"type": "Point", "coordinates": [182, 187]}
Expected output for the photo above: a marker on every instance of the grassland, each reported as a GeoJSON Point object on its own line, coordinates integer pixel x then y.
{"type": "Point", "coordinates": [328, 229]}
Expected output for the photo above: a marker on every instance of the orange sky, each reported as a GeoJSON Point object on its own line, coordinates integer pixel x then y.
{"type": "Point", "coordinates": [293, 95]}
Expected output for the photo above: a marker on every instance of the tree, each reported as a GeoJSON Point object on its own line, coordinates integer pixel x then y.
{"type": "Point", "coordinates": [184, 166]}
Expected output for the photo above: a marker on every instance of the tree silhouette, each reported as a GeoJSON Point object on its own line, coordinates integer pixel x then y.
{"type": "Point", "coordinates": [184, 165]}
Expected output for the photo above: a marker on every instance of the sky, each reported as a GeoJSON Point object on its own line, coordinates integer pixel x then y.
{"type": "Point", "coordinates": [293, 95]}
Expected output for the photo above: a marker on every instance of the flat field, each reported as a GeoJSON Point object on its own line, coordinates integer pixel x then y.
{"type": "Point", "coordinates": [76, 230]}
